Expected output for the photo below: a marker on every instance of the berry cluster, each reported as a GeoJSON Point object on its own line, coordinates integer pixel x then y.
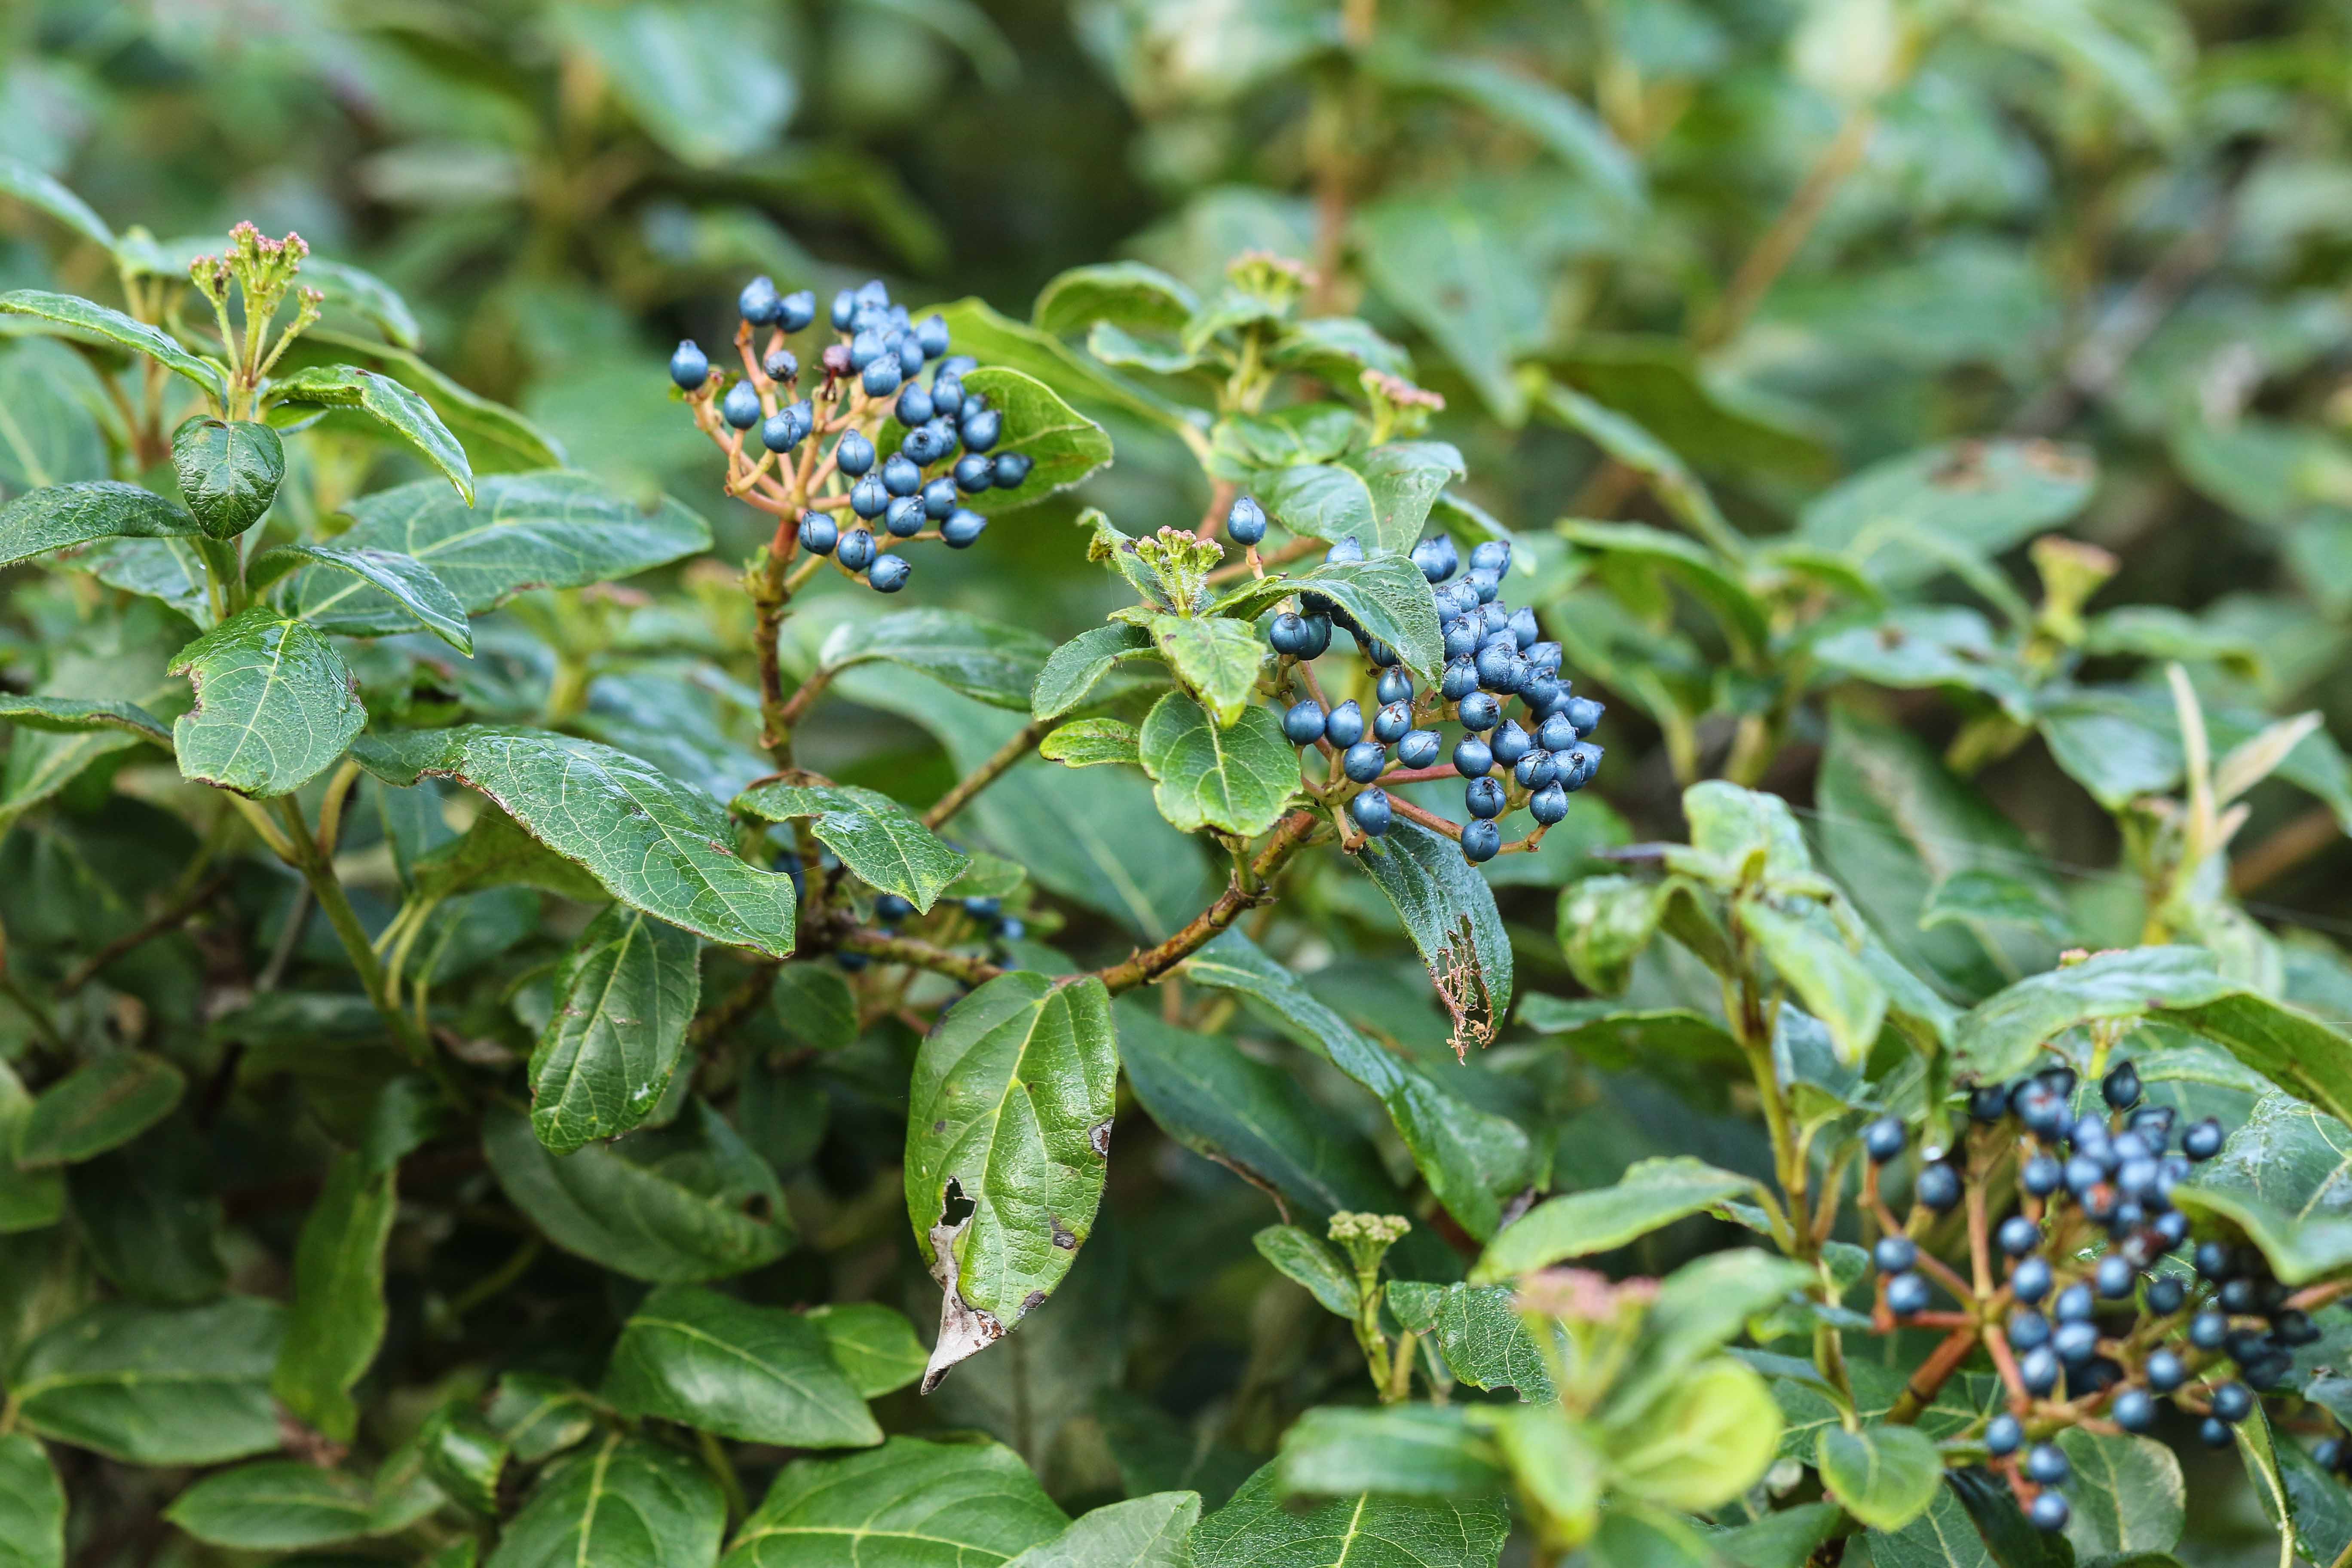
{"type": "Point", "coordinates": [1494, 656]}
{"type": "Point", "coordinates": [893, 910]}
{"type": "Point", "coordinates": [2102, 1315]}
{"type": "Point", "coordinates": [872, 394]}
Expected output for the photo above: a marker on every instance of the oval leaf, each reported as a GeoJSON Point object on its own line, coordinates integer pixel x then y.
{"type": "Point", "coordinates": [885, 846]}
{"type": "Point", "coordinates": [229, 471]}
{"type": "Point", "coordinates": [154, 1385]}
{"type": "Point", "coordinates": [404, 579]}
{"type": "Point", "coordinates": [624, 996]}
{"type": "Point", "coordinates": [758, 1374]}
{"type": "Point", "coordinates": [1240, 779]}
{"type": "Point", "coordinates": [65, 515]}
{"type": "Point", "coordinates": [625, 1503]}
{"type": "Point", "coordinates": [1885, 1476]}
{"type": "Point", "coordinates": [1062, 445]}
{"type": "Point", "coordinates": [274, 705]}
{"type": "Point", "coordinates": [390, 404]}
{"type": "Point", "coordinates": [101, 1104]}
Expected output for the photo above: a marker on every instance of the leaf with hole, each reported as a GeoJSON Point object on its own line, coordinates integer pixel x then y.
{"type": "Point", "coordinates": [276, 706]}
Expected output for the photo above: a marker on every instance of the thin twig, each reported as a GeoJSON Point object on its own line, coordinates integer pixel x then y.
{"type": "Point", "coordinates": [987, 773]}
{"type": "Point", "coordinates": [82, 973]}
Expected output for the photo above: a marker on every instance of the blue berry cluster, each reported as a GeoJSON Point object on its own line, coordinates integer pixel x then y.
{"type": "Point", "coordinates": [2095, 1309]}
{"type": "Point", "coordinates": [1496, 658]}
{"type": "Point", "coordinates": [944, 434]}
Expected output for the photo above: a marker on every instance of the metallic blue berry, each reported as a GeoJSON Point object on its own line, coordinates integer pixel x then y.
{"type": "Point", "coordinates": [1436, 557]}
{"type": "Point", "coordinates": [2165, 1371]}
{"type": "Point", "coordinates": [2166, 1296]}
{"type": "Point", "coordinates": [688, 365]}
{"type": "Point", "coordinates": [2208, 1331]}
{"type": "Point", "coordinates": [1511, 743]}
{"type": "Point", "coordinates": [2046, 1465]}
{"type": "Point", "coordinates": [911, 356]}
{"type": "Point", "coordinates": [2040, 1175]}
{"type": "Point", "coordinates": [1548, 805]}
{"type": "Point", "coordinates": [1883, 1139]}
{"type": "Point", "coordinates": [2075, 1342]}
{"type": "Point", "coordinates": [2203, 1140]}
{"type": "Point", "coordinates": [932, 332]}
{"type": "Point", "coordinates": [1939, 1188]}
{"type": "Point", "coordinates": [2049, 1512]}
{"type": "Point", "coordinates": [1578, 765]}
{"type": "Point", "coordinates": [890, 573]}
{"type": "Point", "coordinates": [904, 516]}
{"type": "Point", "coordinates": [1536, 770]}
{"type": "Point", "coordinates": [900, 476]}
{"type": "Point", "coordinates": [818, 532]}
{"type": "Point", "coordinates": [1485, 585]}
{"type": "Point", "coordinates": [914, 407]}
{"type": "Point", "coordinates": [1393, 686]}
{"type": "Point", "coordinates": [782, 431]}
{"type": "Point", "coordinates": [1459, 679]}
{"type": "Point", "coordinates": [2030, 1281]}
{"type": "Point", "coordinates": [2074, 1304]}
{"type": "Point", "coordinates": [1302, 722]}
{"type": "Point", "coordinates": [866, 348]}
{"type": "Point", "coordinates": [881, 378]}
{"type": "Point", "coordinates": [1364, 760]}
{"type": "Point", "coordinates": [2018, 1236]}
{"type": "Point", "coordinates": [1479, 711]}
{"type": "Point", "coordinates": [982, 429]}
{"type": "Point", "coordinates": [2003, 1434]}
{"type": "Point", "coordinates": [1480, 841]}
{"type": "Point", "coordinates": [794, 312]}
{"type": "Point", "coordinates": [1485, 797]}
{"type": "Point", "coordinates": [947, 393]}
{"type": "Point", "coordinates": [867, 499]}
{"type": "Point", "coordinates": [1585, 714]}
{"type": "Point", "coordinates": [2038, 1370]}
{"type": "Point", "coordinates": [2134, 1410]}
{"type": "Point", "coordinates": [855, 549]}
{"type": "Point", "coordinates": [853, 453]}
{"type": "Point", "coordinates": [938, 497]}
{"type": "Point", "coordinates": [2233, 1402]}
{"type": "Point", "coordinates": [1345, 727]}
{"type": "Point", "coordinates": [1246, 522]}
{"type": "Point", "coordinates": [2027, 1331]}
{"type": "Point", "coordinates": [1420, 748]}
{"type": "Point", "coordinates": [1012, 469]}
{"type": "Point", "coordinates": [1318, 635]}
{"type": "Point", "coordinates": [844, 310]}
{"type": "Point", "coordinates": [1461, 637]}
{"type": "Point", "coordinates": [1895, 1254]}
{"type": "Point", "coordinates": [1472, 758]}
{"type": "Point", "coordinates": [1390, 724]}
{"type": "Point", "coordinates": [1491, 555]}
{"type": "Point", "coordinates": [1523, 628]}
{"type": "Point", "coordinates": [759, 303]}
{"type": "Point", "coordinates": [961, 528]}
{"type": "Point", "coordinates": [741, 406]}
{"type": "Point", "coordinates": [1372, 812]}
{"type": "Point", "coordinates": [1908, 1294]}
{"type": "Point", "coordinates": [2116, 1276]}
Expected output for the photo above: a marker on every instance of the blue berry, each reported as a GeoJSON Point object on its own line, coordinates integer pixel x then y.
{"type": "Point", "coordinates": [1511, 743]}
{"type": "Point", "coordinates": [1348, 549]}
{"type": "Point", "coordinates": [759, 303]}
{"type": "Point", "coordinates": [2049, 1512]}
{"type": "Point", "coordinates": [2203, 1140]}
{"type": "Point", "coordinates": [2328, 1454]}
{"type": "Point", "coordinates": [1536, 769]}
{"type": "Point", "coordinates": [1420, 748]}
{"type": "Point", "coordinates": [1544, 694]}
{"type": "Point", "coordinates": [2214, 1261]}
{"type": "Point", "coordinates": [782, 431]}
{"type": "Point", "coordinates": [796, 310]}
{"type": "Point", "coordinates": [958, 366]}
{"type": "Point", "coordinates": [2027, 1330]}
{"type": "Point", "coordinates": [911, 356]}
{"type": "Point", "coordinates": [1493, 663]}
{"type": "Point", "coordinates": [688, 365]}
{"type": "Point", "coordinates": [1459, 679]}
{"type": "Point", "coordinates": [2214, 1433]}
{"type": "Point", "coordinates": [2239, 1295]}
{"type": "Point", "coordinates": [1883, 1139]}
{"type": "Point", "coordinates": [1390, 724]}
{"type": "Point", "coordinates": [1907, 1294]}
{"type": "Point", "coordinates": [1011, 929]}
{"type": "Point", "coordinates": [961, 528]}
{"type": "Point", "coordinates": [1436, 557]}
{"type": "Point", "coordinates": [1288, 634]}
{"type": "Point", "coordinates": [818, 532]}
{"type": "Point", "coordinates": [2018, 1236]}
{"type": "Point", "coordinates": [2233, 1402]}
{"type": "Point", "coordinates": [1345, 727]}
{"type": "Point", "coordinates": [914, 407]}
{"type": "Point", "coordinates": [1585, 714]}
{"type": "Point", "coordinates": [1372, 812]}
{"type": "Point", "coordinates": [2165, 1371]}
{"type": "Point", "coordinates": [2030, 1281]}
{"type": "Point", "coordinates": [1378, 652]}
{"type": "Point", "coordinates": [891, 907]}
{"type": "Point", "coordinates": [1578, 765]}
{"type": "Point", "coordinates": [2166, 1296]}
{"type": "Point", "coordinates": [982, 429]}
{"type": "Point", "coordinates": [1548, 805]}
{"type": "Point", "coordinates": [1987, 1103]}
{"type": "Point", "coordinates": [2208, 1331]}
{"type": "Point", "coordinates": [932, 332]}
{"type": "Point", "coordinates": [741, 406]}
{"type": "Point", "coordinates": [2074, 1304]}
{"type": "Point", "coordinates": [1479, 711]}
{"type": "Point", "coordinates": [881, 378]}
{"type": "Point", "coordinates": [1393, 686]}
{"type": "Point", "coordinates": [1556, 733]}
{"type": "Point", "coordinates": [2003, 1434]}
{"type": "Point", "coordinates": [1523, 629]}
{"type": "Point", "coordinates": [2082, 1174]}
{"type": "Point", "coordinates": [851, 963]}
{"type": "Point", "coordinates": [853, 453]}
{"type": "Point", "coordinates": [1318, 635]}
{"type": "Point", "coordinates": [2038, 1370]}
{"type": "Point", "coordinates": [844, 310]}
{"type": "Point", "coordinates": [2040, 1175]}
{"type": "Point", "coordinates": [904, 516]}
{"type": "Point", "coordinates": [2075, 1342]}
{"type": "Point", "coordinates": [1246, 522]}
{"type": "Point", "coordinates": [855, 549]}
{"type": "Point", "coordinates": [939, 499]}
{"type": "Point", "coordinates": [900, 476]}
{"type": "Point", "coordinates": [1303, 724]}
{"type": "Point", "coordinates": [1895, 1254]}
{"type": "Point", "coordinates": [1486, 584]}
{"type": "Point", "coordinates": [1485, 797]}
{"type": "Point", "coordinates": [2134, 1410]}
{"type": "Point", "coordinates": [1939, 1188]}
{"type": "Point", "coordinates": [2120, 1088]}
{"type": "Point", "coordinates": [947, 393]}
{"type": "Point", "coordinates": [1364, 760]}
{"type": "Point", "coordinates": [1472, 758]}
{"type": "Point", "coordinates": [1012, 469]}
{"type": "Point", "coordinates": [985, 908]}
{"type": "Point", "coordinates": [2116, 1276]}
{"type": "Point", "coordinates": [1491, 555]}
{"type": "Point", "coordinates": [974, 473]}
{"type": "Point", "coordinates": [867, 499]}
{"type": "Point", "coordinates": [1462, 638]}
{"type": "Point", "coordinates": [1480, 841]}
{"type": "Point", "coordinates": [2040, 1107]}
{"type": "Point", "coordinates": [2046, 1465]}
{"type": "Point", "coordinates": [866, 348]}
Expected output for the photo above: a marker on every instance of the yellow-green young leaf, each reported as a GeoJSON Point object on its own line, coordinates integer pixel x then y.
{"type": "Point", "coordinates": [680, 1204]}
{"type": "Point", "coordinates": [625, 1503]}
{"type": "Point", "coordinates": [1448, 910]}
{"type": "Point", "coordinates": [1733, 824]}
{"type": "Point", "coordinates": [1063, 446]}
{"type": "Point", "coordinates": [653, 842]}
{"type": "Point", "coordinates": [1087, 743]}
{"type": "Point", "coordinates": [339, 1315]}
{"type": "Point", "coordinates": [229, 471]}
{"type": "Point", "coordinates": [101, 1104]}
{"type": "Point", "coordinates": [624, 996]}
{"type": "Point", "coordinates": [1710, 1439]}
{"type": "Point", "coordinates": [874, 1345]}
{"type": "Point", "coordinates": [1828, 977]}
{"type": "Point", "coordinates": [1305, 1258]}
{"type": "Point", "coordinates": [1651, 1195]}
{"type": "Point", "coordinates": [1152, 1532]}
{"type": "Point", "coordinates": [549, 530]}
{"type": "Point", "coordinates": [78, 716]}
{"type": "Point", "coordinates": [32, 1506]}
{"type": "Point", "coordinates": [758, 1374]}
{"type": "Point", "coordinates": [1885, 1476]}
{"type": "Point", "coordinates": [1479, 1332]}
{"type": "Point", "coordinates": [1257, 1528]}
{"type": "Point", "coordinates": [274, 705]}
{"type": "Point", "coordinates": [64, 515]}
{"type": "Point", "coordinates": [1215, 659]}
{"type": "Point", "coordinates": [1240, 779]}
{"type": "Point", "coordinates": [389, 404]}
{"type": "Point", "coordinates": [908, 1501]}
{"type": "Point", "coordinates": [1073, 671]}
{"type": "Point", "coordinates": [79, 318]}
{"type": "Point", "coordinates": [995, 664]}
{"type": "Point", "coordinates": [1403, 1450]}
{"type": "Point", "coordinates": [884, 845]}
{"type": "Point", "coordinates": [464, 1456]}
{"type": "Point", "coordinates": [1700, 1307]}
{"type": "Point", "coordinates": [281, 1505]}
{"type": "Point", "coordinates": [1008, 1139]}
{"type": "Point", "coordinates": [156, 1386]}
{"type": "Point", "coordinates": [404, 579]}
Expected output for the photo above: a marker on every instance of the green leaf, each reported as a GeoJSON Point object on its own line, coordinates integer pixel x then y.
{"type": "Point", "coordinates": [1733, 826]}
{"type": "Point", "coordinates": [883, 843]}
{"type": "Point", "coordinates": [404, 579]}
{"type": "Point", "coordinates": [281, 1505]}
{"type": "Point", "coordinates": [1558, 1467]}
{"type": "Point", "coordinates": [1943, 1537]}
{"type": "Point", "coordinates": [875, 1346]}
{"type": "Point", "coordinates": [1010, 1110]}
{"type": "Point", "coordinates": [1307, 1260]}
{"type": "Point", "coordinates": [1216, 660]}
{"type": "Point", "coordinates": [1240, 780]}
{"type": "Point", "coordinates": [2011, 1542]}
{"type": "Point", "coordinates": [1616, 1036]}
{"type": "Point", "coordinates": [540, 1415]}
{"type": "Point", "coordinates": [389, 404]}
{"type": "Point", "coordinates": [1653, 1194]}
{"type": "Point", "coordinates": [625, 1503]}
{"type": "Point", "coordinates": [977, 329]}
{"type": "Point", "coordinates": [2128, 1493]}
{"type": "Point", "coordinates": [670, 63]}
{"type": "Point", "coordinates": [1063, 444]}
{"type": "Point", "coordinates": [758, 1374]}
{"type": "Point", "coordinates": [1605, 923]}
{"type": "Point", "coordinates": [652, 843]}
{"type": "Point", "coordinates": [1475, 1159]}
{"type": "Point", "coordinates": [276, 706]}
{"type": "Point", "coordinates": [156, 1386]}
{"type": "Point", "coordinates": [496, 438]}
{"type": "Point", "coordinates": [87, 322]}
{"type": "Point", "coordinates": [681, 1205]}
{"type": "Point", "coordinates": [146, 1216]}
{"type": "Point", "coordinates": [65, 515]}
{"type": "Point", "coordinates": [1380, 499]}
{"type": "Point", "coordinates": [49, 429]}
{"type": "Point", "coordinates": [339, 1315]}
{"type": "Point", "coordinates": [1982, 496]}
{"type": "Point", "coordinates": [1572, 132]}
{"type": "Point", "coordinates": [171, 571]}
{"type": "Point", "coordinates": [998, 665]}
{"type": "Point", "coordinates": [1924, 646]}
{"type": "Point", "coordinates": [1073, 671]}
{"type": "Point", "coordinates": [364, 294]}
{"type": "Point", "coordinates": [815, 1004]}
{"type": "Point", "coordinates": [229, 471]}
{"type": "Point", "coordinates": [1448, 910]}
{"type": "Point", "coordinates": [101, 1105]}
{"type": "Point", "coordinates": [496, 852]}
{"type": "Point", "coordinates": [1710, 579]}
{"type": "Point", "coordinates": [2281, 1179]}
{"type": "Point", "coordinates": [1128, 293]}
{"type": "Point", "coordinates": [464, 1455]}
{"type": "Point", "coordinates": [1708, 1439]}
{"type": "Point", "coordinates": [1442, 264]}
{"type": "Point", "coordinates": [910, 1502]}
{"type": "Point", "coordinates": [32, 1502]}
{"type": "Point", "coordinates": [1832, 981]}
{"type": "Point", "coordinates": [1256, 1529]}
{"type": "Point", "coordinates": [1336, 350]}
{"type": "Point", "coordinates": [1403, 1450]}
{"type": "Point", "coordinates": [1885, 1476]}
{"type": "Point", "coordinates": [77, 716]}
{"type": "Point", "coordinates": [1682, 492]}
{"type": "Point", "coordinates": [1387, 595]}
{"type": "Point", "coordinates": [1086, 742]}
{"type": "Point", "coordinates": [1977, 897]}
{"type": "Point", "coordinates": [1478, 1330]}
{"type": "Point", "coordinates": [1152, 1532]}
{"type": "Point", "coordinates": [30, 1200]}
{"type": "Point", "coordinates": [22, 182]}
{"type": "Point", "coordinates": [624, 994]}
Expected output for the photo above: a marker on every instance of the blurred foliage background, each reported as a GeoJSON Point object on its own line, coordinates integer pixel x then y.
{"type": "Point", "coordinates": [1790, 241]}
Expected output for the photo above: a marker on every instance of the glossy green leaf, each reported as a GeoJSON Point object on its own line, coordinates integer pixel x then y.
{"type": "Point", "coordinates": [65, 515]}
{"type": "Point", "coordinates": [2127, 1494]}
{"type": "Point", "coordinates": [540, 1415]}
{"type": "Point", "coordinates": [1448, 910]}
{"type": "Point", "coordinates": [465, 1456]}
{"type": "Point", "coordinates": [79, 716]}
{"type": "Point", "coordinates": [389, 404]}
{"type": "Point", "coordinates": [1240, 780]}
{"type": "Point", "coordinates": [1386, 595]}
{"type": "Point", "coordinates": [20, 180]}
{"type": "Point", "coordinates": [1709, 1439]}
{"type": "Point", "coordinates": [874, 1345]}
{"type": "Point", "coordinates": [911, 1503]}
{"type": "Point", "coordinates": [1307, 1260]}
{"type": "Point", "coordinates": [1215, 659]}
{"type": "Point", "coordinates": [339, 1315]}
{"type": "Point", "coordinates": [1885, 1476]}
{"type": "Point", "coordinates": [1072, 671]}
{"type": "Point", "coordinates": [654, 844]}
{"type": "Point", "coordinates": [101, 1105]}
{"type": "Point", "coordinates": [32, 1502]}
{"type": "Point", "coordinates": [498, 439]}
{"type": "Point", "coordinates": [625, 1503]}
{"type": "Point", "coordinates": [2282, 1181]}
{"type": "Point", "coordinates": [1618, 1035]}
{"type": "Point", "coordinates": [1152, 1532]}
{"type": "Point", "coordinates": [998, 665]}
{"type": "Point", "coordinates": [977, 329]}
{"type": "Point", "coordinates": [1653, 1194]}
{"type": "Point", "coordinates": [171, 571]}
{"type": "Point", "coordinates": [624, 994]}
{"type": "Point", "coordinates": [404, 579]}
{"type": "Point", "coordinates": [1063, 444]}
{"type": "Point", "coordinates": [1403, 1450]}
{"type": "Point", "coordinates": [1008, 1111]}
{"type": "Point", "coordinates": [1982, 496]}
{"type": "Point", "coordinates": [1127, 292]}
{"type": "Point", "coordinates": [1927, 647]}
{"type": "Point", "coordinates": [1256, 1529]}
{"type": "Point", "coordinates": [276, 706]}
{"type": "Point", "coordinates": [885, 844]}
{"type": "Point", "coordinates": [1943, 1537]}
{"type": "Point", "coordinates": [758, 1374]}
{"type": "Point", "coordinates": [229, 471]}
{"type": "Point", "coordinates": [684, 1203]}
{"type": "Point", "coordinates": [281, 1505]}
{"type": "Point", "coordinates": [156, 1386]}
{"type": "Point", "coordinates": [1088, 742]}
{"type": "Point", "coordinates": [1381, 498]}
{"type": "Point", "coordinates": [1478, 1330]}
{"type": "Point", "coordinates": [556, 529]}
{"type": "Point", "coordinates": [87, 322]}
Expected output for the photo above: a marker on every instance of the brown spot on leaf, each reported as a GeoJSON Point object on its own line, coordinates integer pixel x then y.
{"type": "Point", "coordinates": [1032, 1302]}
{"type": "Point", "coordinates": [1064, 1237]}
{"type": "Point", "coordinates": [1099, 1136]}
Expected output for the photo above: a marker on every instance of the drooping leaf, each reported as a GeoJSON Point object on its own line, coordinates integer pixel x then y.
{"type": "Point", "coordinates": [156, 1386]}
{"type": "Point", "coordinates": [1407, 1450]}
{"type": "Point", "coordinates": [624, 994]}
{"type": "Point", "coordinates": [1653, 1193]}
{"type": "Point", "coordinates": [874, 1345]}
{"type": "Point", "coordinates": [883, 843]}
{"type": "Point", "coordinates": [85, 321]}
{"type": "Point", "coordinates": [1710, 579]}
{"type": "Point", "coordinates": [1885, 1476]}
{"type": "Point", "coordinates": [389, 404]}
{"type": "Point", "coordinates": [655, 845]}
{"type": "Point", "coordinates": [1127, 292]}
{"type": "Point", "coordinates": [229, 471]}
{"type": "Point", "coordinates": [101, 1105]}
{"type": "Point", "coordinates": [1254, 1530]}
{"type": "Point", "coordinates": [64, 515]}
{"type": "Point", "coordinates": [1307, 1260]}
{"type": "Point", "coordinates": [281, 1505]}
{"type": "Point", "coordinates": [998, 665]}
{"type": "Point", "coordinates": [1449, 912]}
{"type": "Point", "coordinates": [404, 580]}
{"type": "Point", "coordinates": [1215, 659]}
{"type": "Point", "coordinates": [1240, 779]}
{"type": "Point", "coordinates": [339, 1315]}
{"type": "Point", "coordinates": [20, 180]}
{"type": "Point", "coordinates": [80, 716]}
{"type": "Point", "coordinates": [32, 1503]}
{"type": "Point", "coordinates": [276, 706]}
{"type": "Point", "coordinates": [626, 1502]}
{"type": "Point", "coordinates": [1832, 981]}
{"type": "Point", "coordinates": [1983, 496]}
{"type": "Point", "coordinates": [1072, 671]}
{"type": "Point", "coordinates": [498, 439]}
{"type": "Point", "coordinates": [1009, 1113]}
{"type": "Point", "coordinates": [911, 1503]}
{"type": "Point", "coordinates": [364, 294]}
{"type": "Point", "coordinates": [1088, 742]}
{"type": "Point", "coordinates": [1478, 1331]}
{"type": "Point", "coordinates": [758, 1374]}
{"type": "Point", "coordinates": [1063, 446]}
{"type": "Point", "coordinates": [1152, 1532]}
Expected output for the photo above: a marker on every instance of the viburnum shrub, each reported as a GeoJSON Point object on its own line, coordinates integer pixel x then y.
{"type": "Point", "coordinates": [466, 1075]}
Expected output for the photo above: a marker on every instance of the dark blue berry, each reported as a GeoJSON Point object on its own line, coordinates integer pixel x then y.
{"type": "Point", "coordinates": [1493, 663]}
{"type": "Point", "coordinates": [1511, 743]}
{"type": "Point", "coordinates": [939, 499]}
{"type": "Point", "coordinates": [1989, 1102]}
{"type": "Point", "coordinates": [881, 378]}
{"type": "Point", "coordinates": [1536, 770]}
{"type": "Point", "coordinates": [975, 472]}
{"type": "Point", "coordinates": [2240, 1295]}
{"type": "Point", "coordinates": [2074, 1304]}
{"type": "Point", "coordinates": [851, 963]}
{"type": "Point", "coordinates": [866, 348]}
{"type": "Point", "coordinates": [855, 549]}
{"type": "Point", "coordinates": [2134, 1410]}
{"type": "Point", "coordinates": [1436, 557]}
{"type": "Point", "coordinates": [759, 303]}
{"type": "Point", "coordinates": [2165, 1371]}
{"type": "Point", "coordinates": [1288, 634]}
{"type": "Point", "coordinates": [2328, 1454]}
{"type": "Point", "coordinates": [1548, 805]}
{"type": "Point", "coordinates": [986, 908]}
{"type": "Point", "coordinates": [2294, 1326]}
{"type": "Point", "coordinates": [2045, 1464]}
{"type": "Point", "coordinates": [900, 476]}
{"type": "Point", "coordinates": [1459, 679]}
{"type": "Point", "coordinates": [914, 405]}
{"type": "Point", "coordinates": [891, 907]}
{"type": "Point", "coordinates": [1372, 812]}
{"type": "Point", "coordinates": [1585, 714]}
{"type": "Point", "coordinates": [904, 516]}
{"type": "Point", "coordinates": [2233, 1402]}
{"type": "Point", "coordinates": [1246, 520]}
{"type": "Point", "coordinates": [782, 431]}
{"type": "Point", "coordinates": [2038, 1370]}
{"type": "Point", "coordinates": [982, 430]}
{"type": "Point", "coordinates": [947, 393]}
{"type": "Point", "coordinates": [2002, 1435]}
{"type": "Point", "coordinates": [1485, 797]}
{"type": "Point", "coordinates": [1011, 929]}
{"type": "Point", "coordinates": [1390, 724]}
{"type": "Point", "coordinates": [1883, 1139]}
{"type": "Point", "coordinates": [1479, 711]}
{"type": "Point", "coordinates": [2040, 1175]}
{"type": "Point", "coordinates": [688, 365]}
{"type": "Point", "coordinates": [844, 310]}
{"type": "Point", "coordinates": [1895, 1254]}
{"type": "Point", "coordinates": [1420, 748]}
{"type": "Point", "coordinates": [2040, 1107]}
{"type": "Point", "coordinates": [1485, 585]}
{"type": "Point", "coordinates": [1345, 727]}
{"type": "Point", "coordinates": [2203, 1140]}
{"type": "Point", "coordinates": [1302, 723]}
{"type": "Point", "coordinates": [1380, 654]}
{"type": "Point", "coordinates": [911, 356]}
{"type": "Point", "coordinates": [2049, 1512]}
{"type": "Point", "coordinates": [818, 532]}
{"type": "Point", "coordinates": [2214, 1433]}
{"type": "Point", "coordinates": [1907, 1294]}
{"type": "Point", "coordinates": [2116, 1276]}
{"type": "Point", "coordinates": [1578, 765]}
{"type": "Point", "coordinates": [2208, 1331]}
{"type": "Point", "coordinates": [2214, 1260]}
{"type": "Point", "coordinates": [1348, 549]}
{"type": "Point", "coordinates": [1012, 468]}
{"type": "Point", "coordinates": [961, 528]}
{"type": "Point", "coordinates": [2027, 1330]}
{"type": "Point", "coordinates": [2120, 1088]}
{"type": "Point", "coordinates": [2075, 1342]}
{"type": "Point", "coordinates": [1461, 637]}
{"type": "Point", "coordinates": [2031, 1280]}
{"type": "Point", "coordinates": [1364, 760]}
{"type": "Point", "coordinates": [2018, 1236]}
{"type": "Point", "coordinates": [1523, 628]}
{"type": "Point", "coordinates": [1480, 841]}
{"type": "Point", "coordinates": [853, 453]}
{"type": "Point", "coordinates": [796, 310]}
{"type": "Point", "coordinates": [1318, 635]}
{"type": "Point", "coordinates": [741, 406]}
{"type": "Point", "coordinates": [2166, 1296]}
{"type": "Point", "coordinates": [1393, 686]}
{"type": "Point", "coordinates": [1472, 758]}
{"type": "Point", "coordinates": [1491, 555]}
{"type": "Point", "coordinates": [867, 499]}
